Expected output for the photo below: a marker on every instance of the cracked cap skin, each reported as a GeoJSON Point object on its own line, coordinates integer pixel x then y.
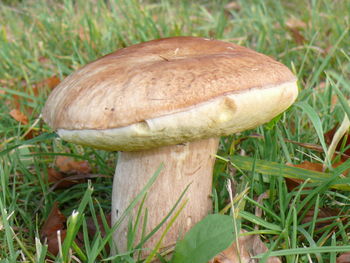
{"type": "Point", "coordinates": [169, 91]}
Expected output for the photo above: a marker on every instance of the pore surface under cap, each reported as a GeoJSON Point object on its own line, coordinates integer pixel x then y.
{"type": "Point", "coordinates": [159, 78]}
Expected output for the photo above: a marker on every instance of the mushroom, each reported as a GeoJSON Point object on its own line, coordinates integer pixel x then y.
{"type": "Point", "coordinates": [168, 101]}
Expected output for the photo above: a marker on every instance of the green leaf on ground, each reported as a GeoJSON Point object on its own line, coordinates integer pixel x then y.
{"type": "Point", "coordinates": [205, 240]}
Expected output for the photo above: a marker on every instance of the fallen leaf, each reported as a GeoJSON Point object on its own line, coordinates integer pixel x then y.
{"type": "Point", "coordinates": [16, 103]}
{"type": "Point", "coordinates": [7, 82]}
{"type": "Point", "coordinates": [54, 222]}
{"type": "Point", "coordinates": [295, 23]}
{"type": "Point", "coordinates": [244, 250]}
{"type": "Point", "coordinates": [309, 166]}
{"type": "Point", "coordinates": [329, 137]}
{"type": "Point", "coordinates": [53, 241]}
{"type": "Point", "coordinates": [67, 165]}
{"type": "Point", "coordinates": [69, 172]}
{"type": "Point", "coordinates": [295, 26]}
{"type": "Point", "coordinates": [92, 228]}
{"type": "Point", "coordinates": [297, 36]}
{"type": "Point", "coordinates": [68, 181]}
{"type": "Point", "coordinates": [311, 146]}
{"type": "Point", "coordinates": [334, 102]}
{"type": "Point", "coordinates": [323, 214]}
{"type": "Point", "coordinates": [327, 50]}
{"type": "Point", "coordinates": [84, 35]}
{"type": "Point", "coordinates": [293, 183]}
{"type": "Point", "coordinates": [31, 134]}
{"type": "Point", "coordinates": [321, 87]}
{"type": "Point", "coordinates": [20, 104]}
{"type": "Point", "coordinates": [54, 230]}
{"type": "Point", "coordinates": [46, 63]}
{"type": "Point", "coordinates": [19, 116]}
{"type": "Point", "coordinates": [318, 167]}
{"type": "Point", "coordinates": [55, 177]}
{"type": "Point", "coordinates": [247, 246]}
{"type": "Point", "coordinates": [43, 59]}
{"type": "Point", "coordinates": [344, 258]}
{"type": "Point", "coordinates": [49, 83]}
{"type": "Point", "coordinates": [233, 5]}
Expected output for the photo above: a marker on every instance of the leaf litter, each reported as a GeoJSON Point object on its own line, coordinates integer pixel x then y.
{"type": "Point", "coordinates": [325, 215]}
{"type": "Point", "coordinates": [247, 246]}
{"type": "Point", "coordinates": [49, 232]}
{"type": "Point", "coordinates": [54, 229]}
{"type": "Point", "coordinates": [68, 172]}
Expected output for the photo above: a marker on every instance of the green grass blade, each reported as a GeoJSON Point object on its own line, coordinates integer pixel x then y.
{"type": "Point", "coordinates": [277, 169]}
{"type": "Point", "coordinates": [307, 250]}
{"type": "Point", "coordinates": [317, 124]}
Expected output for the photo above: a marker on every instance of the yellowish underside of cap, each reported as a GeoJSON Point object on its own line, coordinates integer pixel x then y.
{"type": "Point", "coordinates": [221, 116]}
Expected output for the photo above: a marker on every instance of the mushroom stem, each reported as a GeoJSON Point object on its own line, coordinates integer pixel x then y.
{"type": "Point", "coordinates": [184, 164]}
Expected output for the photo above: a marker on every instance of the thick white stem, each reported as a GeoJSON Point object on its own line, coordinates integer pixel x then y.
{"type": "Point", "coordinates": [190, 163]}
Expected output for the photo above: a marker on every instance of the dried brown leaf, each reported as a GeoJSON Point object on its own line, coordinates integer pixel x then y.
{"type": "Point", "coordinates": [19, 116]}
{"type": "Point", "coordinates": [233, 5]}
{"type": "Point", "coordinates": [309, 166]}
{"type": "Point", "coordinates": [84, 35]}
{"type": "Point", "coordinates": [323, 213]}
{"type": "Point", "coordinates": [297, 36]}
{"type": "Point", "coordinates": [247, 247]}
{"type": "Point", "coordinates": [69, 166]}
{"type": "Point", "coordinates": [321, 87]}
{"type": "Point", "coordinates": [329, 137]}
{"type": "Point", "coordinates": [296, 23]}
{"type": "Point", "coordinates": [311, 146]}
{"type": "Point", "coordinates": [16, 101]}
{"type": "Point", "coordinates": [53, 175]}
{"type": "Point", "coordinates": [293, 183]}
{"type": "Point", "coordinates": [68, 172]}
{"type": "Point", "coordinates": [344, 258]}
{"type": "Point", "coordinates": [53, 241]}
{"type": "Point", "coordinates": [7, 82]}
{"type": "Point", "coordinates": [31, 134]}
{"type": "Point", "coordinates": [58, 179]}
{"type": "Point", "coordinates": [92, 229]}
{"type": "Point", "coordinates": [327, 50]}
{"type": "Point", "coordinates": [50, 83]}
{"type": "Point", "coordinates": [54, 222]}
{"type": "Point", "coordinates": [334, 101]}
{"type": "Point", "coordinates": [295, 26]}
{"type": "Point", "coordinates": [68, 181]}
{"type": "Point", "coordinates": [46, 63]}
{"type": "Point", "coordinates": [318, 167]}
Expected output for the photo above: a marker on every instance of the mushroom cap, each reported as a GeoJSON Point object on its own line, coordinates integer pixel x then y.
{"type": "Point", "coordinates": [169, 91]}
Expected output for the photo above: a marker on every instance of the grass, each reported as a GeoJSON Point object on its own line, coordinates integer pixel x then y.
{"type": "Point", "coordinates": [40, 39]}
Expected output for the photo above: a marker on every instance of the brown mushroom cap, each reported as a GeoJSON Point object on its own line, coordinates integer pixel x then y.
{"type": "Point", "coordinates": [168, 91]}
